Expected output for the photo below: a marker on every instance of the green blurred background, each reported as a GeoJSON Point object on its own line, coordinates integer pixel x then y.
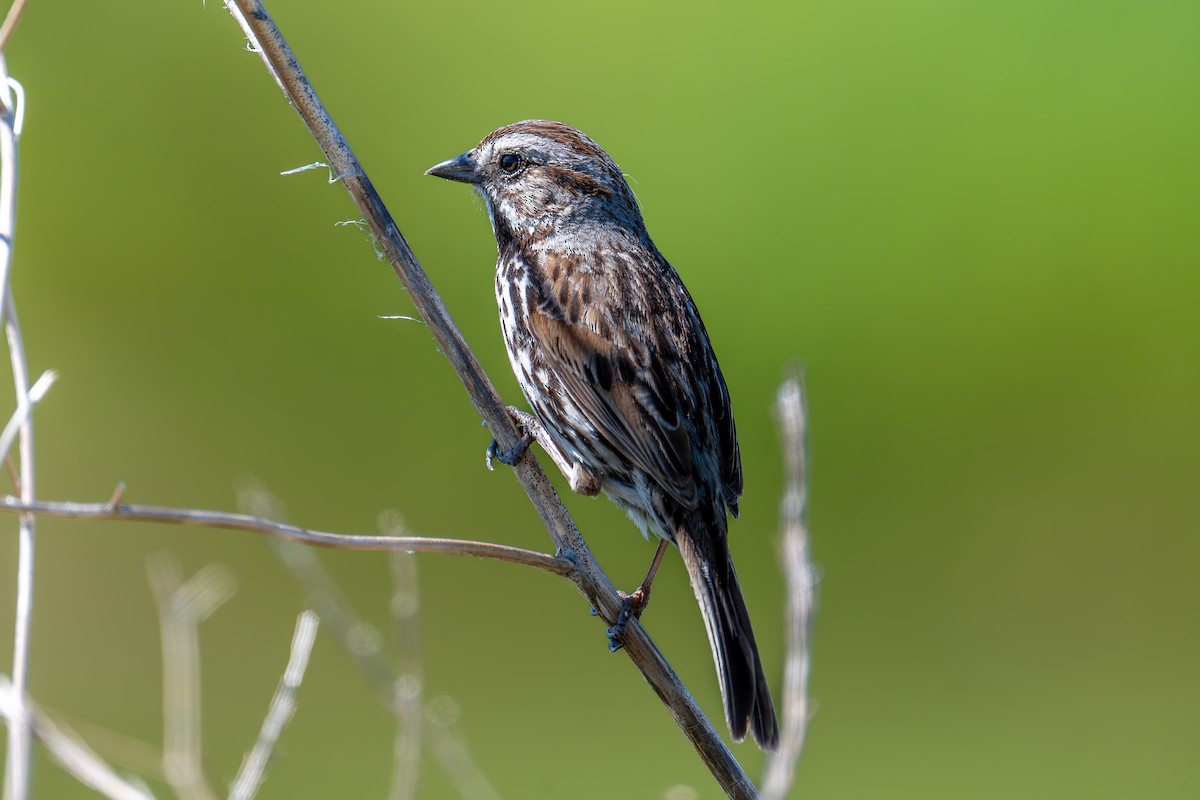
{"type": "Point", "coordinates": [975, 224]}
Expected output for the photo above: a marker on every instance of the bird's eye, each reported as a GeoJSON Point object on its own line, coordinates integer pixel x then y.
{"type": "Point", "coordinates": [510, 163]}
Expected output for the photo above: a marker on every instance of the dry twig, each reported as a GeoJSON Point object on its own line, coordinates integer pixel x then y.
{"type": "Point", "coordinates": [801, 578]}
{"type": "Point", "coordinates": [363, 644]}
{"type": "Point", "coordinates": [182, 606]}
{"type": "Point", "coordinates": [243, 522]}
{"type": "Point", "coordinates": [23, 412]}
{"type": "Point", "coordinates": [280, 712]}
{"type": "Point", "coordinates": [70, 751]}
{"type": "Point", "coordinates": [20, 725]}
{"type": "Point", "coordinates": [10, 22]}
{"type": "Point", "coordinates": [409, 686]}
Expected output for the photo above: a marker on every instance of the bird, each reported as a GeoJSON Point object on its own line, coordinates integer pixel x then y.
{"type": "Point", "coordinates": [611, 354]}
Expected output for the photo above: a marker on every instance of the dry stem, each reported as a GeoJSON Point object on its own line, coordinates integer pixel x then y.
{"type": "Point", "coordinates": [182, 606]}
{"type": "Point", "coordinates": [245, 522]}
{"type": "Point", "coordinates": [409, 702]}
{"type": "Point", "coordinates": [72, 752]}
{"type": "Point", "coordinates": [280, 712]}
{"type": "Point", "coordinates": [801, 576]}
{"type": "Point", "coordinates": [363, 645]}
{"type": "Point", "coordinates": [10, 22]}
{"type": "Point", "coordinates": [20, 724]}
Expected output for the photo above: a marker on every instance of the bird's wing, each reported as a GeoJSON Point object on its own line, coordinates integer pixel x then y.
{"type": "Point", "coordinates": [722, 411]}
{"type": "Point", "coordinates": [625, 388]}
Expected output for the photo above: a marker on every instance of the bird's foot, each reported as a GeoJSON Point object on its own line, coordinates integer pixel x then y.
{"type": "Point", "coordinates": [512, 455]}
{"type": "Point", "coordinates": [633, 607]}
{"type": "Point", "coordinates": [636, 602]}
{"type": "Point", "coordinates": [579, 477]}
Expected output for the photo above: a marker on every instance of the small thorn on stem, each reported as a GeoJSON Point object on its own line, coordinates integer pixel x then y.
{"type": "Point", "coordinates": [118, 493]}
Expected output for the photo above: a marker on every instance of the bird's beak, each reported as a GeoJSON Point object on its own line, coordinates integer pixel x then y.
{"type": "Point", "coordinates": [460, 168]}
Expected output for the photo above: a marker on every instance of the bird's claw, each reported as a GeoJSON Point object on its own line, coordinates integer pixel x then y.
{"type": "Point", "coordinates": [512, 456]}
{"type": "Point", "coordinates": [631, 608]}
{"type": "Point", "coordinates": [509, 457]}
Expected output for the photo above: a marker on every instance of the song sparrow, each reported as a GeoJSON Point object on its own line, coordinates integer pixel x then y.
{"type": "Point", "coordinates": [611, 354]}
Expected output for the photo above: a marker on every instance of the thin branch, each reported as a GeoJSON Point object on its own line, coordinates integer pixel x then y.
{"type": "Point", "coordinates": [801, 578]}
{"type": "Point", "coordinates": [244, 522]}
{"type": "Point", "coordinates": [182, 606]}
{"type": "Point", "coordinates": [123, 751]}
{"type": "Point", "coordinates": [283, 707]}
{"type": "Point", "coordinates": [451, 751]}
{"type": "Point", "coordinates": [16, 785]}
{"type": "Point", "coordinates": [71, 752]}
{"type": "Point", "coordinates": [10, 22]}
{"type": "Point", "coordinates": [9, 132]}
{"type": "Point", "coordinates": [362, 643]}
{"type": "Point", "coordinates": [267, 40]}
{"type": "Point", "coordinates": [409, 686]}
{"type": "Point", "coordinates": [20, 746]}
{"type": "Point", "coordinates": [36, 393]}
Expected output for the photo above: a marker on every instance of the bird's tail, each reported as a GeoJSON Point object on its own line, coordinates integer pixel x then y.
{"type": "Point", "coordinates": [743, 686]}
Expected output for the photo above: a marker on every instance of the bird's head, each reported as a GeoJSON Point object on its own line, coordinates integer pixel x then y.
{"type": "Point", "coordinates": [537, 177]}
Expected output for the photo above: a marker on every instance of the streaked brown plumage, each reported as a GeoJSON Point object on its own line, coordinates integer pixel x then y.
{"type": "Point", "coordinates": [613, 358]}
